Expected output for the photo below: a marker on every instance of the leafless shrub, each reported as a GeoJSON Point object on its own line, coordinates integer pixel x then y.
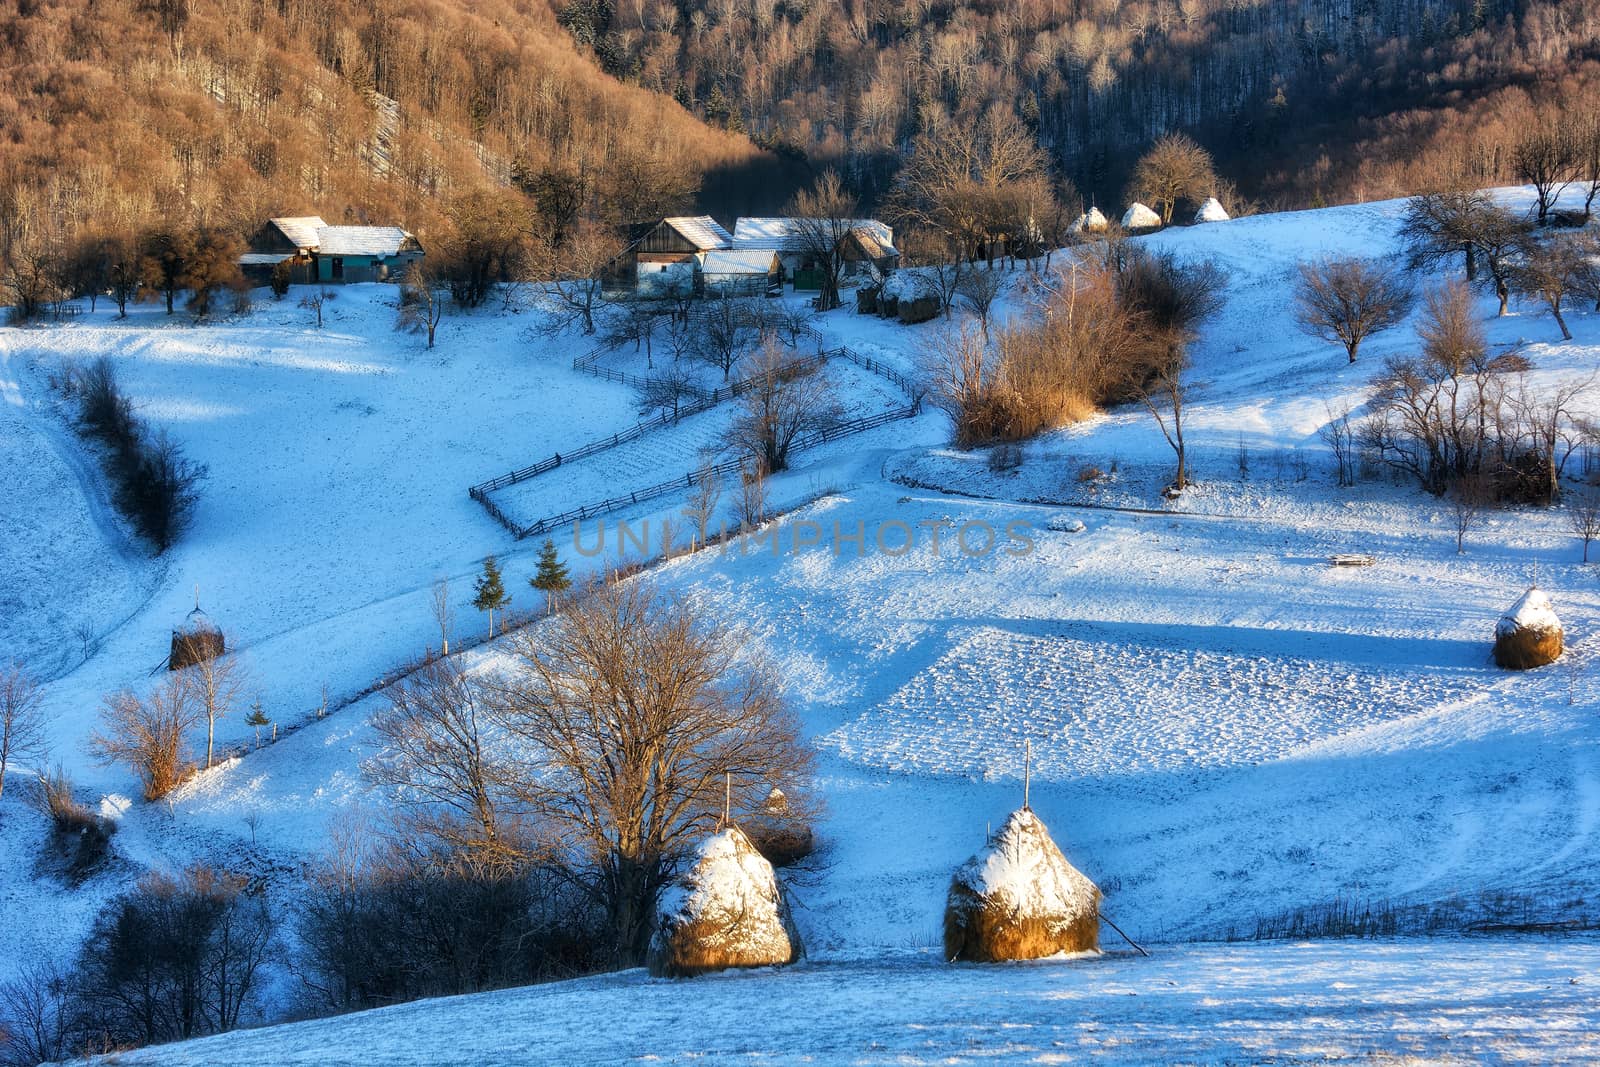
{"type": "Point", "coordinates": [149, 734]}
{"type": "Point", "coordinates": [1340, 435]}
{"type": "Point", "coordinates": [704, 497]}
{"type": "Point", "coordinates": [1583, 516]}
{"type": "Point", "coordinates": [752, 494]}
{"type": "Point", "coordinates": [36, 1009]}
{"type": "Point", "coordinates": [1349, 300]}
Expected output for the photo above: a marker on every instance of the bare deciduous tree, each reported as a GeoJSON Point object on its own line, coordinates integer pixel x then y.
{"type": "Point", "coordinates": [1547, 158]}
{"type": "Point", "coordinates": [638, 712]}
{"type": "Point", "coordinates": [704, 497]}
{"type": "Point", "coordinates": [1437, 227]}
{"type": "Point", "coordinates": [1583, 516]}
{"type": "Point", "coordinates": [21, 719]}
{"type": "Point", "coordinates": [422, 300]}
{"type": "Point", "coordinates": [439, 606]}
{"type": "Point", "coordinates": [149, 734]}
{"type": "Point", "coordinates": [1175, 168]}
{"type": "Point", "coordinates": [215, 684]}
{"type": "Point", "coordinates": [575, 273]}
{"type": "Point", "coordinates": [1349, 300]}
{"type": "Point", "coordinates": [752, 494]}
{"type": "Point", "coordinates": [726, 328]}
{"type": "Point", "coordinates": [1548, 272]}
{"type": "Point", "coordinates": [435, 753]}
{"type": "Point", "coordinates": [778, 404]}
{"type": "Point", "coordinates": [979, 289]}
{"type": "Point", "coordinates": [824, 217]}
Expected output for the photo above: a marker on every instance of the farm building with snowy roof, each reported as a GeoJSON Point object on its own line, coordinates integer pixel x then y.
{"type": "Point", "coordinates": [310, 250]}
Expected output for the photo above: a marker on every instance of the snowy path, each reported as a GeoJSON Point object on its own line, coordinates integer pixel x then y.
{"type": "Point", "coordinates": [1525, 1000]}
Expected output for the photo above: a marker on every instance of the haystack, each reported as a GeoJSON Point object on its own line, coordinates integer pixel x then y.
{"type": "Point", "coordinates": [1019, 899]}
{"type": "Point", "coordinates": [725, 911]}
{"type": "Point", "coordinates": [1091, 221]}
{"type": "Point", "coordinates": [196, 641]}
{"type": "Point", "coordinates": [1138, 218]}
{"type": "Point", "coordinates": [1211, 211]}
{"type": "Point", "coordinates": [779, 832]}
{"type": "Point", "coordinates": [1529, 635]}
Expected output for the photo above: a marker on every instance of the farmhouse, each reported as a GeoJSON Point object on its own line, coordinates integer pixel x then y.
{"type": "Point", "coordinates": [741, 272]}
{"type": "Point", "coordinates": [317, 252]}
{"type": "Point", "coordinates": [665, 258]}
{"type": "Point", "coordinates": [869, 249]}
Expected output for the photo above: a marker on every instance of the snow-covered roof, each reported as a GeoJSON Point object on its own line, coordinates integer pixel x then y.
{"type": "Point", "coordinates": [702, 231]}
{"type": "Point", "coordinates": [1531, 612]}
{"type": "Point", "coordinates": [1139, 217]}
{"type": "Point", "coordinates": [263, 259]}
{"type": "Point", "coordinates": [360, 240]}
{"type": "Point", "coordinates": [301, 229]}
{"type": "Point", "coordinates": [908, 283]}
{"type": "Point", "coordinates": [738, 261]}
{"type": "Point", "coordinates": [1211, 211]}
{"type": "Point", "coordinates": [786, 234]}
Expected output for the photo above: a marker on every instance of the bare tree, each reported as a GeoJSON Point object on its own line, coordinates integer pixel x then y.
{"type": "Point", "coordinates": [704, 497]}
{"type": "Point", "coordinates": [638, 323]}
{"type": "Point", "coordinates": [439, 606]}
{"type": "Point", "coordinates": [149, 735]}
{"type": "Point", "coordinates": [752, 493]}
{"type": "Point", "coordinates": [314, 302]}
{"type": "Point", "coordinates": [979, 289]}
{"type": "Point", "coordinates": [1549, 271]}
{"type": "Point", "coordinates": [1439, 226]}
{"type": "Point", "coordinates": [1340, 434]}
{"type": "Point", "coordinates": [215, 684]}
{"type": "Point", "coordinates": [1547, 158]}
{"type": "Point", "coordinates": [1164, 395]}
{"type": "Point", "coordinates": [1470, 495]}
{"type": "Point", "coordinates": [1175, 168]}
{"type": "Point", "coordinates": [1349, 300]}
{"type": "Point", "coordinates": [1583, 516]}
{"type": "Point", "coordinates": [435, 754]}
{"type": "Point", "coordinates": [21, 719]}
{"type": "Point", "coordinates": [576, 272]}
{"type": "Point", "coordinates": [36, 1016]}
{"type": "Point", "coordinates": [1501, 240]}
{"type": "Point", "coordinates": [726, 328]}
{"type": "Point", "coordinates": [777, 405]}
{"type": "Point", "coordinates": [638, 712]}
{"type": "Point", "coordinates": [824, 217]}
{"type": "Point", "coordinates": [423, 296]}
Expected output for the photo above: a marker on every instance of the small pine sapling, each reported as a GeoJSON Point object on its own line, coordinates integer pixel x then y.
{"type": "Point", "coordinates": [257, 718]}
{"type": "Point", "coordinates": [491, 590]}
{"type": "Point", "coordinates": [552, 578]}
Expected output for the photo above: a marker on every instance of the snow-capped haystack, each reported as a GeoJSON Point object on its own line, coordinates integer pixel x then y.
{"type": "Point", "coordinates": [1529, 635]}
{"type": "Point", "coordinates": [1138, 218]}
{"type": "Point", "coordinates": [725, 911]}
{"type": "Point", "coordinates": [1091, 221]}
{"type": "Point", "coordinates": [779, 832]}
{"type": "Point", "coordinates": [1019, 899]}
{"type": "Point", "coordinates": [196, 641]}
{"type": "Point", "coordinates": [1211, 211]}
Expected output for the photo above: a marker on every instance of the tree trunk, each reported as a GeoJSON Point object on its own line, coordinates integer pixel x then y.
{"type": "Point", "coordinates": [1503, 291]}
{"type": "Point", "coordinates": [1566, 334]}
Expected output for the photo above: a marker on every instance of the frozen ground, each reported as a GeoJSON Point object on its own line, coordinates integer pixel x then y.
{"type": "Point", "coordinates": [1434, 1002]}
{"type": "Point", "coordinates": [1225, 728]}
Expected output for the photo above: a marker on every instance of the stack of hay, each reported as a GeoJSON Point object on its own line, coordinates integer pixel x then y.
{"type": "Point", "coordinates": [1211, 211]}
{"type": "Point", "coordinates": [1139, 218]}
{"type": "Point", "coordinates": [1019, 899]}
{"type": "Point", "coordinates": [1091, 221]}
{"type": "Point", "coordinates": [196, 641]}
{"type": "Point", "coordinates": [779, 832]}
{"type": "Point", "coordinates": [1529, 635]}
{"type": "Point", "coordinates": [725, 911]}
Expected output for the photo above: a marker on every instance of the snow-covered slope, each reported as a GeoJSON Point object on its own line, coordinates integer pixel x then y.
{"type": "Point", "coordinates": [1224, 727]}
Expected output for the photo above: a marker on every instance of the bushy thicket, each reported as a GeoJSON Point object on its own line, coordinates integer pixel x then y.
{"type": "Point", "coordinates": [154, 484]}
{"type": "Point", "coordinates": [173, 958]}
{"type": "Point", "coordinates": [1102, 329]}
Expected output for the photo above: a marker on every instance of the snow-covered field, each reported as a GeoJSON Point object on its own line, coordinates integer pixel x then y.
{"type": "Point", "coordinates": [1434, 1002]}
{"type": "Point", "coordinates": [1224, 727]}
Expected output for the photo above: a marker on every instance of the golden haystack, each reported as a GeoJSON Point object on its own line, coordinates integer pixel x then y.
{"type": "Point", "coordinates": [1019, 899]}
{"type": "Point", "coordinates": [196, 641]}
{"type": "Point", "coordinates": [725, 911]}
{"type": "Point", "coordinates": [1529, 635]}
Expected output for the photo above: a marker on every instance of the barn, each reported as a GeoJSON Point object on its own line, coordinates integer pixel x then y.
{"type": "Point", "coordinates": [664, 258]}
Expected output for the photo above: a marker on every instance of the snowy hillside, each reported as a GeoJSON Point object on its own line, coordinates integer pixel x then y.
{"type": "Point", "coordinates": [1225, 728]}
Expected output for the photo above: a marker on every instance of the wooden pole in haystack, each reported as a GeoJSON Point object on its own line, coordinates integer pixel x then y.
{"type": "Point", "coordinates": [1027, 771]}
